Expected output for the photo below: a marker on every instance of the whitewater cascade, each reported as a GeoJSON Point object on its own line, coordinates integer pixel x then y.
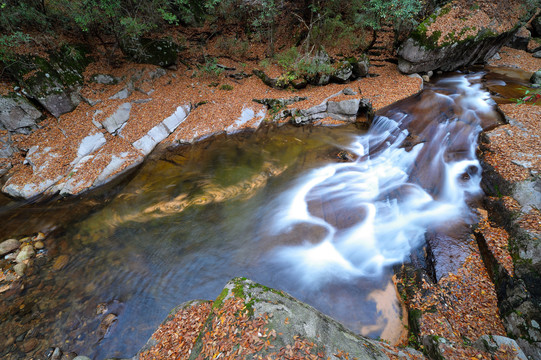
{"type": "Point", "coordinates": [415, 169]}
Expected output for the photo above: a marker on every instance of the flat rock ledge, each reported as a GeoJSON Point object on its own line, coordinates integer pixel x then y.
{"type": "Point", "coordinates": [93, 153]}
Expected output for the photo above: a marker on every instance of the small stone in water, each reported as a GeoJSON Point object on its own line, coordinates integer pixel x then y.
{"type": "Point", "coordinates": [57, 354]}
{"type": "Point", "coordinates": [19, 268]}
{"type": "Point", "coordinates": [39, 245]}
{"type": "Point", "coordinates": [26, 253]}
{"type": "Point", "coordinates": [8, 246]}
{"type": "Point", "coordinates": [81, 358]}
{"type": "Point", "coordinates": [39, 237]}
{"type": "Point", "coordinates": [61, 262]}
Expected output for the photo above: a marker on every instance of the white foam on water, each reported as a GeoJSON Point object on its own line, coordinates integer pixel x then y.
{"type": "Point", "coordinates": [393, 211]}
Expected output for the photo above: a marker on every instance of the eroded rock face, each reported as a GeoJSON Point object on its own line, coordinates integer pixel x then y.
{"type": "Point", "coordinates": [428, 49]}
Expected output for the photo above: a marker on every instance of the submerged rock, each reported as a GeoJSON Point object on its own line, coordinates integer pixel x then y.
{"type": "Point", "coordinates": [8, 246]}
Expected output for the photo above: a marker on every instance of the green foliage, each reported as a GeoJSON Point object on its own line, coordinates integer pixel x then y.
{"type": "Point", "coordinates": [209, 68]}
{"type": "Point", "coordinates": [8, 43]}
{"type": "Point", "coordinates": [126, 20]}
{"type": "Point", "coordinates": [226, 87]}
{"type": "Point", "coordinates": [530, 96]}
{"type": "Point", "coordinates": [299, 65]}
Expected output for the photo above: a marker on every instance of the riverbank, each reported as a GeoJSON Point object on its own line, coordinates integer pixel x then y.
{"type": "Point", "coordinates": [218, 110]}
{"type": "Point", "coordinates": [80, 149]}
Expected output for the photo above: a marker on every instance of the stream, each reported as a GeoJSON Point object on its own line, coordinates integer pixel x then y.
{"type": "Point", "coordinates": [322, 213]}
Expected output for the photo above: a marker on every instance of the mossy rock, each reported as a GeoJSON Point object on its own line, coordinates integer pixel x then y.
{"type": "Point", "coordinates": [53, 81]}
{"type": "Point", "coordinates": [423, 52]}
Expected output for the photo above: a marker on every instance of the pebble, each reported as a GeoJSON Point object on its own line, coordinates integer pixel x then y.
{"type": "Point", "coordinates": [61, 262]}
{"type": "Point", "coordinates": [19, 268]}
{"type": "Point", "coordinates": [26, 253]}
{"type": "Point", "coordinates": [81, 358]}
{"type": "Point", "coordinates": [57, 354]}
{"type": "Point", "coordinates": [39, 237]}
{"type": "Point", "coordinates": [8, 246]}
{"type": "Point", "coordinates": [39, 245]}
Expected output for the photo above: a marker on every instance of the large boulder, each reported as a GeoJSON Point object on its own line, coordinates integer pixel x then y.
{"type": "Point", "coordinates": [265, 323]}
{"type": "Point", "coordinates": [17, 114]}
{"type": "Point", "coordinates": [454, 37]}
{"type": "Point", "coordinates": [55, 80]}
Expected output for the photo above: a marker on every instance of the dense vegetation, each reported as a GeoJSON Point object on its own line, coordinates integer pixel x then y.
{"type": "Point", "coordinates": [117, 24]}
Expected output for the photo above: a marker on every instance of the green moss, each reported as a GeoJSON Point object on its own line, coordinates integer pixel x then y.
{"type": "Point", "coordinates": [220, 299]}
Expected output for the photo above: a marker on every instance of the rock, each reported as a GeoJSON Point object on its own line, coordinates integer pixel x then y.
{"type": "Point", "coordinates": [344, 109]}
{"type": "Point", "coordinates": [19, 268]}
{"type": "Point", "coordinates": [496, 56]}
{"type": "Point", "coordinates": [6, 150]}
{"type": "Point", "coordinates": [39, 245]}
{"type": "Point", "coordinates": [422, 52]}
{"type": "Point", "coordinates": [121, 95]}
{"type": "Point", "coordinates": [60, 262]}
{"type": "Point", "coordinates": [41, 160]}
{"type": "Point", "coordinates": [106, 324]}
{"type": "Point", "coordinates": [275, 104]}
{"type": "Point", "coordinates": [104, 79]}
{"type": "Point", "coordinates": [39, 236]}
{"type": "Point", "coordinates": [160, 52]}
{"type": "Point", "coordinates": [17, 114]}
{"type": "Point", "coordinates": [536, 77]}
{"type": "Point", "coordinates": [29, 345]}
{"type": "Point", "coordinates": [57, 354]}
{"type": "Point", "coordinates": [53, 82]}
{"type": "Point", "coordinates": [425, 78]}
{"type": "Point", "coordinates": [90, 144]}
{"type": "Point", "coordinates": [114, 122]}
{"type": "Point", "coordinates": [537, 54]}
{"type": "Point", "coordinates": [8, 246]}
{"type": "Point", "coordinates": [159, 132]}
{"type": "Point", "coordinates": [292, 321]}
{"type": "Point", "coordinates": [491, 344]}
{"type": "Point", "coordinates": [360, 66]}
{"type": "Point", "coordinates": [343, 73]}
{"type": "Point", "coordinates": [80, 357]}
{"type": "Point", "coordinates": [247, 116]}
{"type": "Point", "coordinates": [26, 253]}
{"type": "Point", "coordinates": [521, 39]}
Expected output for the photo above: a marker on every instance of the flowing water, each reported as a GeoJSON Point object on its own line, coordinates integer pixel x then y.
{"type": "Point", "coordinates": [322, 213]}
